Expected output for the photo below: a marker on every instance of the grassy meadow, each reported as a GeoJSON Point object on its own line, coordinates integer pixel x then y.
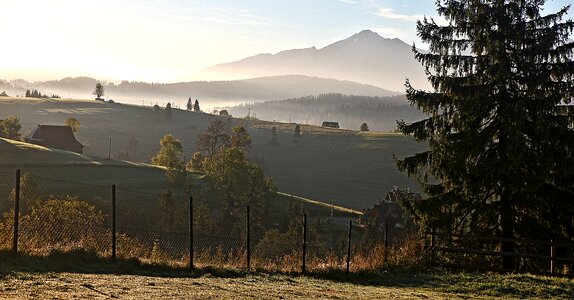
{"type": "Point", "coordinates": [344, 167]}
{"type": "Point", "coordinates": [88, 277]}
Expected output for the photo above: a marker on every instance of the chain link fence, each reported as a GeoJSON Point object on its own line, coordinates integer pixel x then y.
{"type": "Point", "coordinates": [56, 215]}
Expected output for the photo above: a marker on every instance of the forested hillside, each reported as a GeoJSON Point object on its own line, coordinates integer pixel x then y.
{"type": "Point", "coordinates": [380, 113]}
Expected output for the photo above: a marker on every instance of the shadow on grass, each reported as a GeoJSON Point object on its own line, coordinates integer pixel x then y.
{"type": "Point", "coordinates": [460, 283]}
{"type": "Point", "coordinates": [80, 261]}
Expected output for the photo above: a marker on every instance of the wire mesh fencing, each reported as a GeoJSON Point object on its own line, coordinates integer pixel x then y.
{"type": "Point", "coordinates": [7, 182]}
{"type": "Point", "coordinates": [174, 228]}
{"type": "Point", "coordinates": [152, 227]}
{"type": "Point", "coordinates": [56, 215]}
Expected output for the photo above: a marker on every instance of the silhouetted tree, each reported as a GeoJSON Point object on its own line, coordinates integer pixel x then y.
{"type": "Point", "coordinates": [189, 106]}
{"type": "Point", "coordinates": [500, 157]}
{"type": "Point", "coordinates": [274, 140]}
{"type": "Point", "coordinates": [168, 111]}
{"type": "Point", "coordinates": [224, 113]}
{"type": "Point", "coordinates": [215, 138]}
{"type": "Point", "coordinates": [364, 127]}
{"type": "Point", "coordinates": [99, 91]}
{"type": "Point", "coordinates": [296, 135]}
{"type": "Point", "coordinates": [196, 106]}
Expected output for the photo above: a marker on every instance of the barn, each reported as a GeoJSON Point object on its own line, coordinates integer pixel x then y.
{"type": "Point", "coordinates": [330, 124]}
{"type": "Point", "coordinates": [58, 137]}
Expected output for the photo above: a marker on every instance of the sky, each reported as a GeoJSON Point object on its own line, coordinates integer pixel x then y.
{"type": "Point", "coordinates": [171, 40]}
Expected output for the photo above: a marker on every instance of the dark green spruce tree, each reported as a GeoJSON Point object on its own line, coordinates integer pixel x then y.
{"type": "Point", "coordinates": [500, 157]}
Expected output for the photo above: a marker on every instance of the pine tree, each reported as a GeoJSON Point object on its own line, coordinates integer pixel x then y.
{"type": "Point", "coordinates": [168, 111]}
{"type": "Point", "coordinates": [274, 140]}
{"type": "Point", "coordinates": [189, 106]}
{"type": "Point", "coordinates": [500, 156]}
{"type": "Point", "coordinates": [196, 106]}
{"type": "Point", "coordinates": [364, 127]}
{"type": "Point", "coordinates": [296, 135]}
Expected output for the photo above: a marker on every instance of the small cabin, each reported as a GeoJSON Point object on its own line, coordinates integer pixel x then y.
{"type": "Point", "coordinates": [57, 137]}
{"type": "Point", "coordinates": [389, 211]}
{"type": "Point", "coordinates": [330, 124]}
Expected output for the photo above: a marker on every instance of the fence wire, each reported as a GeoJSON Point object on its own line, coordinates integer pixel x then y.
{"type": "Point", "coordinates": [58, 215]}
{"type": "Point", "coordinates": [7, 182]}
{"type": "Point", "coordinates": [152, 226]}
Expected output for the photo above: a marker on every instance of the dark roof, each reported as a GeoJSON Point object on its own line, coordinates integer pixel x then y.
{"type": "Point", "coordinates": [330, 124]}
{"type": "Point", "coordinates": [396, 196]}
{"type": "Point", "coordinates": [54, 135]}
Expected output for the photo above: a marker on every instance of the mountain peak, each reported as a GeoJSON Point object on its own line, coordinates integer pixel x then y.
{"type": "Point", "coordinates": [368, 33]}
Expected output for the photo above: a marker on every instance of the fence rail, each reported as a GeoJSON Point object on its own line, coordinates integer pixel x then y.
{"type": "Point", "coordinates": [437, 241]}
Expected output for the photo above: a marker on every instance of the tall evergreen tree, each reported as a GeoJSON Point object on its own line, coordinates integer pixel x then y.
{"type": "Point", "coordinates": [189, 106]}
{"type": "Point", "coordinates": [168, 111]}
{"type": "Point", "coordinates": [196, 106]}
{"type": "Point", "coordinates": [500, 156]}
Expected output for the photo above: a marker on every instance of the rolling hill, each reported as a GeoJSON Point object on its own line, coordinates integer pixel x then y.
{"type": "Point", "coordinates": [213, 93]}
{"type": "Point", "coordinates": [380, 113]}
{"type": "Point", "coordinates": [344, 167]}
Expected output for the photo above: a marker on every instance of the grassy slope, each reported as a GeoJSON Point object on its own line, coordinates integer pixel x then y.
{"type": "Point", "coordinates": [345, 167]}
{"type": "Point", "coordinates": [77, 168]}
{"type": "Point", "coordinates": [260, 286]}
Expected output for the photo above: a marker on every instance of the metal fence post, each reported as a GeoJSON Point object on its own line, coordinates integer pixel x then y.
{"type": "Point", "coordinates": [191, 267]}
{"type": "Point", "coordinates": [16, 213]}
{"type": "Point", "coordinates": [303, 268]}
{"type": "Point", "coordinates": [386, 241]}
{"type": "Point", "coordinates": [432, 245]}
{"type": "Point", "coordinates": [349, 248]}
{"type": "Point", "coordinates": [248, 241]}
{"type": "Point", "coordinates": [114, 222]}
{"type": "Point", "coordinates": [552, 256]}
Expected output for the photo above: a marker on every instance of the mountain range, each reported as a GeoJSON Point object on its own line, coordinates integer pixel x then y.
{"type": "Point", "coordinates": [365, 57]}
{"type": "Point", "coordinates": [364, 64]}
{"type": "Point", "coordinates": [213, 93]}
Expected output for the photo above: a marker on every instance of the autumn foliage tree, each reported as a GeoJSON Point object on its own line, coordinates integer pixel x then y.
{"type": "Point", "coordinates": [73, 123]}
{"type": "Point", "coordinates": [170, 154]}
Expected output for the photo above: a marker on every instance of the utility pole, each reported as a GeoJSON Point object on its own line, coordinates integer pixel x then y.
{"type": "Point", "coordinates": [110, 149]}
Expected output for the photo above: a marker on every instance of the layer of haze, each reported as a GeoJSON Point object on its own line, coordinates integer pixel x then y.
{"type": "Point", "coordinates": [171, 40]}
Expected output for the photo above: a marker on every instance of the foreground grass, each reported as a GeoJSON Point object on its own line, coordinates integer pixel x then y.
{"type": "Point", "coordinates": [82, 276]}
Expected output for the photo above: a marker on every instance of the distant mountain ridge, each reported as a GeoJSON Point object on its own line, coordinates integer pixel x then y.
{"type": "Point", "coordinates": [209, 92]}
{"type": "Point", "coordinates": [365, 57]}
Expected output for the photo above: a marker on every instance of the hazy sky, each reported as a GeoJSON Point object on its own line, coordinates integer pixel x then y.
{"type": "Point", "coordinates": [170, 40]}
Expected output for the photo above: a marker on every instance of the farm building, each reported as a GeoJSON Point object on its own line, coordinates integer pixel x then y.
{"type": "Point", "coordinates": [389, 211]}
{"type": "Point", "coordinates": [330, 124]}
{"type": "Point", "coordinates": [58, 137]}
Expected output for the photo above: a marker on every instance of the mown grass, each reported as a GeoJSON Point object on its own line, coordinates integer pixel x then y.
{"type": "Point", "coordinates": [89, 272]}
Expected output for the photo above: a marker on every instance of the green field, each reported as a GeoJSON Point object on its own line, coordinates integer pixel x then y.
{"type": "Point", "coordinates": [63, 169]}
{"type": "Point", "coordinates": [343, 167]}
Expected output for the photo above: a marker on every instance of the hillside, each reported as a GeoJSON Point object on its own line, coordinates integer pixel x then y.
{"type": "Point", "coordinates": [209, 93]}
{"type": "Point", "coordinates": [364, 57]}
{"type": "Point", "coordinates": [334, 166]}
{"type": "Point", "coordinates": [380, 113]}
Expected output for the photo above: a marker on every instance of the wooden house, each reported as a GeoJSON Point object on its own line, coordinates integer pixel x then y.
{"type": "Point", "coordinates": [330, 124]}
{"type": "Point", "coordinates": [58, 137]}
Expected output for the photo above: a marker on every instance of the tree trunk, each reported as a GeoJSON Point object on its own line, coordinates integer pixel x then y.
{"type": "Point", "coordinates": [507, 224]}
